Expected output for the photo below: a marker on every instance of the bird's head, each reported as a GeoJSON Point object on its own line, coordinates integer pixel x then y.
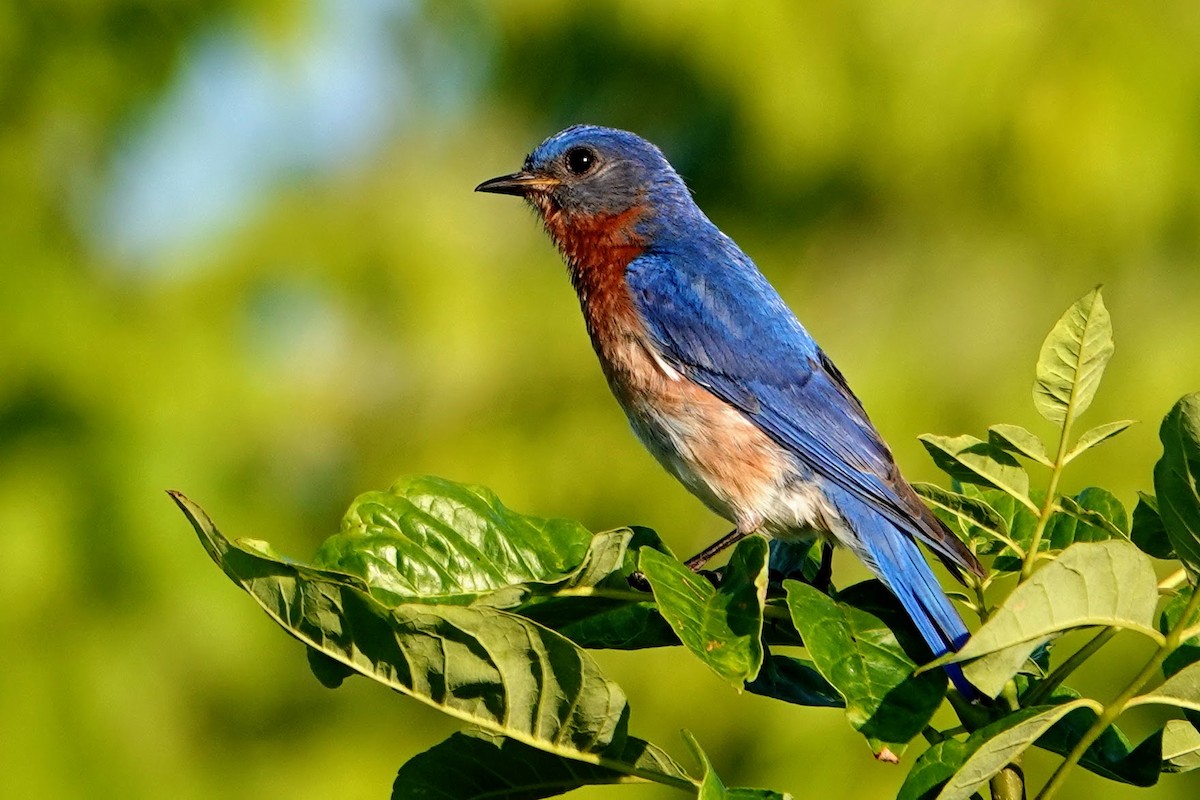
{"type": "Point", "coordinates": [596, 187]}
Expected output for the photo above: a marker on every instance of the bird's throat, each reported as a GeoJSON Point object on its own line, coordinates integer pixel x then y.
{"type": "Point", "coordinates": [595, 242]}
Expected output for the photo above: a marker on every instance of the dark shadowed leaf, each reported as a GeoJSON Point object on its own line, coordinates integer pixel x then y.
{"type": "Point", "coordinates": [1016, 439]}
{"type": "Point", "coordinates": [794, 680]}
{"type": "Point", "coordinates": [971, 519]}
{"type": "Point", "coordinates": [475, 764]}
{"type": "Point", "coordinates": [1072, 360]}
{"type": "Point", "coordinates": [1147, 531]}
{"type": "Point", "coordinates": [1177, 480]}
{"type": "Point", "coordinates": [722, 627]}
{"type": "Point", "coordinates": [999, 743]}
{"type": "Point", "coordinates": [602, 623]}
{"type": "Point", "coordinates": [1111, 755]}
{"type": "Point", "coordinates": [1188, 652]}
{"type": "Point", "coordinates": [487, 667]}
{"type": "Point", "coordinates": [864, 645]}
{"type": "Point", "coordinates": [972, 460]}
{"type": "Point", "coordinates": [795, 559]}
{"type": "Point", "coordinates": [1098, 434]}
{"type": "Point", "coordinates": [1093, 515]}
{"type": "Point", "coordinates": [1180, 747]}
{"type": "Point", "coordinates": [933, 768]}
{"type": "Point", "coordinates": [1019, 520]}
{"type": "Point", "coordinates": [595, 607]}
{"type": "Point", "coordinates": [1103, 583]}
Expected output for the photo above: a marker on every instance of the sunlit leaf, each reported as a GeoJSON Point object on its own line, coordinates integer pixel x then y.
{"type": "Point", "coordinates": [933, 768]}
{"type": "Point", "coordinates": [1104, 583]}
{"type": "Point", "coordinates": [478, 765]}
{"type": "Point", "coordinates": [1095, 436]}
{"type": "Point", "coordinates": [490, 668]}
{"type": "Point", "coordinates": [999, 743]}
{"type": "Point", "coordinates": [868, 659]}
{"type": "Point", "coordinates": [1072, 360]}
{"type": "Point", "coordinates": [1180, 746]}
{"type": "Point", "coordinates": [427, 539]}
{"type": "Point", "coordinates": [1147, 530]}
{"type": "Point", "coordinates": [1181, 690]}
{"type": "Point", "coordinates": [1177, 480]}
{"type": "Point", "coordinates": [1016, 439]}
{"type": "Point", "coordinates": [972, 460]}
{"type": "Point", "coordinates": [722, 627]}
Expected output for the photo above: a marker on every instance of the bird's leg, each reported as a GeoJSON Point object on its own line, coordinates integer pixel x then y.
{"type": "Point", "coordinates": [638, 581]}
{"type": "Point", "coordinates": [824, 577]}
{"type": "Point", "coordinates": [697, 561]}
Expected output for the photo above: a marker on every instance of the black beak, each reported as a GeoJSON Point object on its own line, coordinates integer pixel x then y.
{"type": "Point", "coordinates": [521, 184]}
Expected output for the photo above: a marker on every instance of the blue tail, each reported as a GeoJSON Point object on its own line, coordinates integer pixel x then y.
{"type": "Point", "coordinates": [896, 560]}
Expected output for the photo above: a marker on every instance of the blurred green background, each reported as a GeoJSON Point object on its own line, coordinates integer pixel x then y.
{"type": "Point", "coordinates": [240, 256]}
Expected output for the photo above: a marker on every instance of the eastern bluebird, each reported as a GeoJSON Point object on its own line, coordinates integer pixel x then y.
{"type": "Point", "coordinates": [719, 379]}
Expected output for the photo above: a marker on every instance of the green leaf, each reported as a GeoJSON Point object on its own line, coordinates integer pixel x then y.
{"type": "Point", "coordinates": [1093, 515]}
{"type": "Point", "coordinates": [1181, 690]}
{"type": "Point", "coordinates": [1188, 651]}
{"type": "Point", "coordinates": [1019, 520]}
{"type": "Point", "coordinates": [481, 665]}
{"type": "Point", "coordinates": [971, 519]}
{"type": "Point", "coordinates": [1180, 747]}
{"type": "Point", "coordinates": [1072, 360]}
{"type": "Point", "coordinates": [1016, 439]}
{"type": "Point", "coordinates": [1104, 583]}
{"type": "Point", "coordinates": [1111, 754]}
{"type": "Point", "coordinates": [933, 768]}
{"type": "Point", "coordinates": [1095, 436]}
{"type": "Point", "coordinates": [1148, 532]}
{"type": "Point", "coordinates": [864, 645]}
{"type": "Point", "coordinates": [432, 540]}
{"type": "Point", "coordinates": [1177, 480]}
{"type": "Point", "coordinates": [722, 627]}
{"type": "Point", "coordinates": [477, 765]}
{"type": "Point", "coordinates": [711, 787]}
{"type": "Point", "coordinates": [794, 680]}
{"type": "Point", "coordinates": [793, 558]}
{"type": "Point", "coordinates": [596, 607]}
{"type": "Point", "coordinates": [602, 623]}
{"type": "Point", "coordinates": [971, 460]}
{"type": "Point", "coordinates": [999, 743]}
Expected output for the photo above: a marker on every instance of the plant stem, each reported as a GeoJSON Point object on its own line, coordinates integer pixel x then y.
{"type": "Point", "coordinates": [1009, 783]}
{"type": "Point", "coordinates": [1173, 581]}
{"type": "Point", "coordinates": [1064, 670]}
{"type": "Point", "coordinates": [1048, 505]}
{"type": "Point", "coordinates": [1114, 709]}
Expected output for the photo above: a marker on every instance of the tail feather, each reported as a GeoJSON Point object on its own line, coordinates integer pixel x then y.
{"type": "Point", "coordinates": [893, 556]}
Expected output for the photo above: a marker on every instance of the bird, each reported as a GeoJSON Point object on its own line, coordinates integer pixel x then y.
{"type": "Point", "coordinates": [719, 379]}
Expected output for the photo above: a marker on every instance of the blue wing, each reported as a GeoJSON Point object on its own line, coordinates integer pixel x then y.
{"type": "Point", "coordinates": [716, 319]}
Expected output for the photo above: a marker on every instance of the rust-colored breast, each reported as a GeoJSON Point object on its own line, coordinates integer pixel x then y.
{"type": "Point", "coordinates": [712, 448]}
{"type": "Point", "coordinates": [598, 249]}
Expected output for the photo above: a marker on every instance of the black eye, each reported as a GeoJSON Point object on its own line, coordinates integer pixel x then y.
{"type": "Point", "coordinates": [580, 160]}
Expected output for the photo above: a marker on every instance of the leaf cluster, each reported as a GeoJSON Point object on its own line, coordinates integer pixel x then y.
{"type": "Point", "coordinates": [440, 592]}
